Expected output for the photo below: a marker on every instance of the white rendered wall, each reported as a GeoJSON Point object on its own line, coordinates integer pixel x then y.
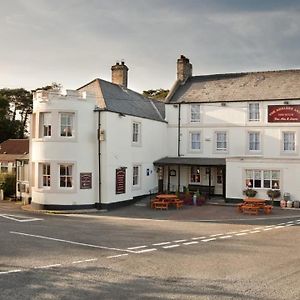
{"type": "Point", "coordinates": [80, 150]}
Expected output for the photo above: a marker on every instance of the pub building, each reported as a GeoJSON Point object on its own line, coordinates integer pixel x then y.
{"type": "Point", "coordinates": [218, 134]}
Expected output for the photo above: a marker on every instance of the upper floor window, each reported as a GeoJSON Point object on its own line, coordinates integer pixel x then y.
{"type": "Point", "coordinates": [195, 113]}
{"type": "Point", "coordinates": [253, 112]}
{"type": "Point", "coordinates": [254, 141]}
{"type": "Point", "coordinates": [221, 140]}
{"type": "Point", "coordinates": [66, 124]}
{"type": "Point", "coordinates": [45, 124]}
{"type": "Point", "coordinates": [289, 141]}
{"type": "Point", "coordinates": [136, 132]}
{"type": "Point", "coordinates": [136, 176]}
{"type": "Point", "coordinates": [66, 177]}
{"type": "Point", "coordinates": [195, 140]}
{"type": "Point", "coordinates": [45, 175]}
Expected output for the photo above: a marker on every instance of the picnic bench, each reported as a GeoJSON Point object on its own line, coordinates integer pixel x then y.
{"type": "Point", "coordinates": [253, 205]}
{"type": "Point", "coordinates": [164, 200]}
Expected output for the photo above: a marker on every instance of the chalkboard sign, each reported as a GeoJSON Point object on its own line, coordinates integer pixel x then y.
{"type": "Point", "coordinates": [85, 181]}
{"type": "Point", "coordinates": [120, 181]}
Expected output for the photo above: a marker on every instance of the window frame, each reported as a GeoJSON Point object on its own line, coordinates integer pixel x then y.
{"type": "Point", "coordinates": [45, 129]}
{"type": "Point", "coordinates": [254, 115]}
{"type": "Point", "coordinates": [66, 176]}
{"type": "Point", "coordinates": [195, 177]}
{"type": "Point", "coordinates": [136, 133]}
{"type": "Point", "coordinates": [191, 142]}
{"type": "Point", "coordinates": [67, 128]}
{"type": "Point", "coordinates": [45, 177]}
{"type": "Point", "coordinates": [258, 142]}
{"type": "Point", "coordinates": [260, 183]}
{"type": "Point", "coordinates": [197, 113]}
{"type": "Point", "coordinates": [136, 177]}
{"type": "Point", "coordinates": [294, 143]}
{"type": "Point", "coordinates": [223, 149]}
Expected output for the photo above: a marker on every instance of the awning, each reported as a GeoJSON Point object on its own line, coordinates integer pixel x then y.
{"type": "Point", "coordinates": [191, 161]}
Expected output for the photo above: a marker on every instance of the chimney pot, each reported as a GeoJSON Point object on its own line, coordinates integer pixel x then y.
{"type": "Point", "coordinates": [119, 74]}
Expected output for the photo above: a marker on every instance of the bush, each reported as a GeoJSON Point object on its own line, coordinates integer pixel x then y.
{"type": "Point", "coordinates": [8, 184]}
{"type": "Point", "coordinates": [250, 192]}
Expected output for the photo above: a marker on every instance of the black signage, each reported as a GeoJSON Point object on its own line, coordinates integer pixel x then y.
{"type": "Point", "coordinates": [85, 181]}
{"type": "Point", "coordinates": [120, 181]}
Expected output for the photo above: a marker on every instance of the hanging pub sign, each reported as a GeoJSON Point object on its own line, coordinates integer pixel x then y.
{"type": "Point", "coordinates": [85, 181]}
{"type": "Point", "coordinates": [284, 113]}
{"type": "Point", "coordinates": [120, 180]}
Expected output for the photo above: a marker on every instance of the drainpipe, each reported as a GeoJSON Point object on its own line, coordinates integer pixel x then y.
{"type": "Point", "coordinates": [178, 141]}
{"type": "Point", "coordinates": [97, 109]}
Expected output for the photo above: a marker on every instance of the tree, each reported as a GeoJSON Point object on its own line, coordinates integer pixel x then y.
{"type": "Point", "coordinates": [159, 94]}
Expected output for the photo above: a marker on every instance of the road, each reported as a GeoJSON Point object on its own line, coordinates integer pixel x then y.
{"type": "Point", "coordinates": [108, 257]}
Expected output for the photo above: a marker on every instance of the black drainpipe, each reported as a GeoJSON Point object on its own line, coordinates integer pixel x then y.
{"type": "Point", "coordinates": [178, 141]}
{"type": "Point", "coordinates": [98, 205]}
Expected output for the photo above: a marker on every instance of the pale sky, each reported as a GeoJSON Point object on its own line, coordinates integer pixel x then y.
{"type": "Point", "coordinates": [75, 41]}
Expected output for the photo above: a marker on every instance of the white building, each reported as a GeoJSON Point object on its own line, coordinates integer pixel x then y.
{"type": "Point", "coordinates": [95, 146]}
{"type": "Point", "coordinates": [227, 131]}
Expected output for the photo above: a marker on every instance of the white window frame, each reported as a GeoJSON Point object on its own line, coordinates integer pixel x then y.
{"type": "Point", "coordinates": [195, 175]}
{"type": "Point", "coordinates": [66, 177]}
{"type": "Point", "coordinates": [136, 133]}
{"type": "Point", "coordinates": [224, 141]}
{"type": "Point", "coordinates": [289, 146]}
{"type": "Point", "coordinates": [259, 178]}
{"type": "Point", "coordinates": [254, 112]}
{"type": "Point", "coordinates": [45, 124]}
{"type": "Point", "coordinates": [195, 113]}
{"type": "Point", "coordinates": [257, 141]}
{"type": "Point", "coordinates": [67, 130]}
{"type": "Point", "coordinates": [136, 176]}
{"type": "Point", "coordinates": [192, 142]}
{"type": "Point", "coordinates": [45, 177]}
{"type": "Point", "coordinates": [4, 167]}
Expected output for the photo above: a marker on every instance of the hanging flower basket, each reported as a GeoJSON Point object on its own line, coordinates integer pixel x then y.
{"type": "Point", "coordinates": [250, 193]}
{"type": "Point", "coordinates": [273, 194]}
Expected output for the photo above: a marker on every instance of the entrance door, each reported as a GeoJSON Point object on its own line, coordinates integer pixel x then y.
{"type": "Point", "coordinates": [219, 181]}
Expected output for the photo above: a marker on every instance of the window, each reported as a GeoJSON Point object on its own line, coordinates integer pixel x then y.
{"type": "Point", "coordinates": [45, 124]}
{"type": "Point", "coordinates": [195, 174]}
{"type": "Point", "coordinates": [195, 141]}
{"type": "Point", "coordinates": [46, 175]}
{"type": "Point", "coordinates": [289, 141]}
{"type": "Point", "coordinates": [195, 113]}
{"type": "Point", "coordinates": [66, 124]}
{"type": "Point", "coordinates": [263, 179]}
{"type": "Point", "coordinates": [65, 174]}
{"type": "Point", "coordinates": [4, 167]}
{"type": "Point", "coordinates": [219, 176]}
{"type": "Point", "coordinates": [136, 132]}
{"type": "Point", "coordinates": [221, 140]}
{"type": "Point", "coordinates": [136, 175]}
{"type": "Point", "coordinates": [253, 112]}
{"type": "Point", "coordinates": [254, 141]}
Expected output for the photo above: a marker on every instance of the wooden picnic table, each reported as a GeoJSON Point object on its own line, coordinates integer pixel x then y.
{"type": "Point", "coordinates": [162, 201]}
{"type": "Point", "coordinates": [253, 205]}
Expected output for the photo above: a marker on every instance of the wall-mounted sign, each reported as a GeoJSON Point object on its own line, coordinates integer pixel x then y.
{"type": "Point", "coordinates": [85, 181]}
{"type": "Point", "coordinates": [172, 172]}
{"type": "Point", "coordinates": [284, 113]}
{"type": "Point", "coordinates": [120, 180]}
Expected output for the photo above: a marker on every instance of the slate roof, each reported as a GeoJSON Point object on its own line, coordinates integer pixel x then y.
{"type": "Point", "coordinates": [256, 86]}
{"type": "Point", "coordinates": [116, 98]}
{"type": "Point", "coordinates": [15, 147]}
{"type": "Point", "coordinates": [191, 161]}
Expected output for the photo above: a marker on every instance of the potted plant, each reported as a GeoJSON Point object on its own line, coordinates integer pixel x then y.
{"type": "Point", "coordinates": [250, 192]}
{"type": "Point", "coordinates": [273, 194]}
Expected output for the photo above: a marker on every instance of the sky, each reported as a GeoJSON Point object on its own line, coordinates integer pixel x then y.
{"type": "Point", "coordinates": [72, 42]}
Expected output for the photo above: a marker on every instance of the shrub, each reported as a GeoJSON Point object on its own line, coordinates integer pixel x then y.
{"type": "Point", "coordinates": [8, 184]}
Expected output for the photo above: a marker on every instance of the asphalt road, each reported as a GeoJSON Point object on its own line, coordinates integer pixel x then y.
{"type": "Point", "coordinates": [108, 257]}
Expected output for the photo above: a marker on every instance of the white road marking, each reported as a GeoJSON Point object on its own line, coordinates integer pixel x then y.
{"type": "Point", "coordinates": [290, 222]}
{"type": "Point", "coordinates": [179, 241]}
{"type": "Point", "coordinates": [270, 228]}
{"type": "Point", "coordinates": [71, 242]}
{"type": "Point", "coordinates": [115, 256]}
{"type": "Point", "coordinates": [137, 247]}
{"type": "Point", "coordinates": [48, 266]}
{"type": "Point", "coordinates": [281, 224]}
{"type": "Point", "coordinates": [245, 230]}
{"type": "Point", "coordinates": [191, 243]}
{"type": "Point", "coordinates": [257, 228]}
{"type": "Point", "coordinates": [199, 238]}
{"type": "Point", "coordinates": [242, 233]}
{"type": "Point", "coordinates": [19, 218]}
{"type": "Point", "coordinates": [162, 243]}
{"type": "Point", "coordinates": [288, 225]}
{"type": "Point", "coordinates": [10, 271]}
{"type": "Point", "coordinates": [225, 237]}
{"type": "Point", "coordinates": [213, 235]}
{"type": "Point", "coordinates": [85, 260]}
{"type": "Point", "coordinates": [208, 240]}
{"type": "Point", "coordinates": [146, 250]}
{"type": "Point", "coordinates": [233, 232]}
{"type": "Point", "coordinates": [255, 231]}
{"type": "Point", "coordinates": [171, 246]}
{"type": "Point", "coordinates": [277, 227]}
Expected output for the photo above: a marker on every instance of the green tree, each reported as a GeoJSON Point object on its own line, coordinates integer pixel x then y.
{"type": "Point", "coordinates": [159, 94]}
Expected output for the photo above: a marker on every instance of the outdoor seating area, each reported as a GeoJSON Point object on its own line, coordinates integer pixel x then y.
{"type": "Point", "coordinates": [253, 206]}
{"type": "Point", "coordinates": [163, 201]}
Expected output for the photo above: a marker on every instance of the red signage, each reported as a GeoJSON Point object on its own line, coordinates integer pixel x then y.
{"type": "Point", "coordinates": [284, 113]}
{"type": "Point", "coordinates": [120, 181]}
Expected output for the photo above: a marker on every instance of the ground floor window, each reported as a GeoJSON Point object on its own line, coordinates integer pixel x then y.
{"type": "Point", "coordinates": [268, 179]}
{"type": "Point", "coordinates": [195, 174]}
{"type": "Point", "coordinates": [4, 167]}
{"type": "Point", "coordinates": [136, 176]}
{"type": "Point", "coordinates": [219, 176]}
{"type": "Point", "coordinates": [45, 175]}
{"type": "Point", "coordinates": [66, 179]}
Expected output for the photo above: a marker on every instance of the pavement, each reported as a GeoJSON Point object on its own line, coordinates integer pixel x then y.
{"type": "Point", "coordinates": [215, 210]}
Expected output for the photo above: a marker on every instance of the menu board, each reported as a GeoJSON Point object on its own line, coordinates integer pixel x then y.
{"type": "Point", "coordinates": [284, 113]}
{"type": "Point", "coordinates": [85, 181]}
{"type": "Point", "coordinates": [120, 181]}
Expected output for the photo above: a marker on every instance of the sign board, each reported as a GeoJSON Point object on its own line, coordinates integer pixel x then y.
{"type": "Point", "coordinates": [284, 113]}
{"type": "Point", "coordinates": [85, 181]}
{"type": "Point", "coordinates": [120, 181]}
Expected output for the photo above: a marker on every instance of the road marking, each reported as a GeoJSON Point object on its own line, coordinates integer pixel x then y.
{"type": "Point", "coordinates": [281, 224]}
{"type": "Point", "coordinates": [171, 246]}
{"type": "Point", "coordinates": [233, 232]}
{"type": "Point", "coordinates": [288, 225]}
{"type": "Point", "coordinates": [213, 235]}
{"type": "Point", "coordinates": [242, 233]}
{"type": "Point", "coordinates": [255, 231]}
{"type": "Point", "coordinates": [277, 227]}
{"type": "Point", "coordinates": [208, 240]}
{"type": "Point", "coordinates": [160, 244]}
{"type": "Point", "coordinates": [245, 230]}
{"type": "Point", "coordinates": [270, 228]}
{"type": "Point", "coordinates": [179, 241]}
{"type": "Point", "coordinates": [257, 228]}
{"type": "Point", "coordinates": [70, 242]}
{"type": "Point", "coordinates": [191, 243]}
{"type": "Point", "coordinates": [199, 238]}
{"type": "Point", "coordinates": [137, 247]}
{"type": "Point", "coordinates": [48, 266]}
{"type": "Point", "coordinates": [115, 256]}
{"type": "Point", "coordinates": [290, 222]}
{"type": "Point", "coordinates": [225, 237]}
{"type": "Point", "coordinates": [21, 218]}
{"type": "Point", "coordinates": [11, 271]}
{"type": "Point", "coordinates": [146, 250]}
{"type": "Point", "coordinates": [85, 260]}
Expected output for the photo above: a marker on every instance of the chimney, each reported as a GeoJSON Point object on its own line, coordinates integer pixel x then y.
{"type": "Point", "coordinates": [119, 74]}
{"type": "Point", "coordinates": [184, 68]}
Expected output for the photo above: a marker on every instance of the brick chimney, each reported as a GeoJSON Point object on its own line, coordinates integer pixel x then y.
{"type": "Point", "coordinates": [184, 68]}
{"type": "Point", "coordinates": [119, 74]}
